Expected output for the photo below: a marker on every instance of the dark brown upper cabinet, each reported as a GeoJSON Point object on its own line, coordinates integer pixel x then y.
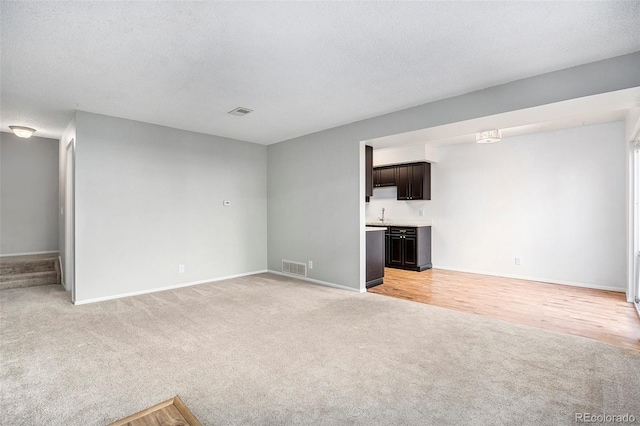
{"type": "Point", "coordinates": [368, 167]}
{"type": "Point", "coordinates": [414, 181]}
{"type": "Point", "coordinates": [384, 176]}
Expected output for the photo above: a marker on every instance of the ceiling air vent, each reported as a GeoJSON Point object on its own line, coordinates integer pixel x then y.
{"type": "Point", "coordinates": [240, 111]}
{"type": "Point", "coordinates": [294, 268]}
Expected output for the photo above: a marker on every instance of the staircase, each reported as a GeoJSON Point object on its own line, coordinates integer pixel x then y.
{"type": "Point", "coordinates": [29, 271]}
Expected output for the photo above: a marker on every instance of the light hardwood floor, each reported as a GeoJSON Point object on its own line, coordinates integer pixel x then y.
{"type": "Point", "coordinates": [596, 314]}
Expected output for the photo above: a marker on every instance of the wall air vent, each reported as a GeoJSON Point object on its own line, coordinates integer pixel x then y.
{"type": "Point", "coordinates": [240, 111]}
{"type": "Point", "coordinates": [294, 268]}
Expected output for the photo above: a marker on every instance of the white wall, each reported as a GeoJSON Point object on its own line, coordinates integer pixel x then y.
{"type": "Point", "coordinates": [330, 221]}
{"type": "Point", "coordinates": [398, 211]}
{"type": "Point", "coordinates": [149, 198]}
{"type": "Point", "coordinates": [28, 194]}
{"type": "Point", "coordinates": [555, 199]}
{"type": "Point", "coordinates": [405, 154]}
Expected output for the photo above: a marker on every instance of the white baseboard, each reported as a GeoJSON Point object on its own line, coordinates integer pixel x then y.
{"type": "Point", "coordinates": [311, 280]}
{"type": "Point", "coordinates": [171, 287]}
{"type": "Point", "coordinates": [29, 253]}
{"type": "Point", "coordinates": [542, 280]}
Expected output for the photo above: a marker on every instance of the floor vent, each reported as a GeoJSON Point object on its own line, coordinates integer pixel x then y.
{"type": "Point", "coordinates": [294, 268]}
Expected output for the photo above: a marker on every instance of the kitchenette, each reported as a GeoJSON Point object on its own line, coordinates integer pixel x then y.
{"type": "Point", "coordinates": [398, 230]}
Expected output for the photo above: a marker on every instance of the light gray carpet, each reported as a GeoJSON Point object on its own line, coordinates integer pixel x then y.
{"type": "Point", "coordinates": [272, 350]}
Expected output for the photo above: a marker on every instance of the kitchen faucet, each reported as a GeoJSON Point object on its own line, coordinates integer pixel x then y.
{"type": "Point", "coordinates": [382, 218]}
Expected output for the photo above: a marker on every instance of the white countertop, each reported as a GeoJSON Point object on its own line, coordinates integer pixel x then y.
{"type": "Point", "coordinates": [400, 222]}
{"type": "Point", "coordinates": [374, 228]}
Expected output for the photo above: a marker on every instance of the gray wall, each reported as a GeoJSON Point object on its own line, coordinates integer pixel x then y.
{"type": "Point", "coordinates": [332, 156]}
{"type": "Point", "coordinates": [28, 194]}
{"type": "Point", "coordinates": [149, 198]}
{"type": "Point", "coordinates": [312, 182]}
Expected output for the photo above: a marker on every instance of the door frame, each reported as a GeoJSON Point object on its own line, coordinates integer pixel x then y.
{"type": "Point", "coordinates": [69, 221]}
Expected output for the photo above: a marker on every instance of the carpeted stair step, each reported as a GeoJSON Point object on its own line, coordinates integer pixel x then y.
{"type": "Point", "coordinates": [28, 280]}
{"type": "Point", "coordinates": [27, 266]}
{"type": "Point", "coordinates": [29, 270]}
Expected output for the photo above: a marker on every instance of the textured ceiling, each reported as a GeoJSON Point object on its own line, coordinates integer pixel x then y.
{"type": "Point", "coordinates": [301, 66]}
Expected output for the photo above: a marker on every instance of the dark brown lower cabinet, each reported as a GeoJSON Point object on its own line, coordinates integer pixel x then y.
{"type": "Point", "coordinates": [408, 247]}
{"type": "Point", "coordinates": [375, 257]}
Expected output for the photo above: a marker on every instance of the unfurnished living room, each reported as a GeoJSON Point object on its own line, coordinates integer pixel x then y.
{"type": "Point", "coordinates": [372, 213]}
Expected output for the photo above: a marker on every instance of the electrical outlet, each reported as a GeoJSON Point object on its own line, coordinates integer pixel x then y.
{"type": "Point", "coordinates": [311, 264]}
{"type": "Point", "coordinates": [518, 261]}
{"type": "Point", "coordinates": [421, 212]}
{"type": "Point", "coordinates": [181, 268]}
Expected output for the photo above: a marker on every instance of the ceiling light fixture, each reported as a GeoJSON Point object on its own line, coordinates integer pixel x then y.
{"type": "Point", "coordinates": [22, 132]}
{"type": "Point", "coordinates": [490, 136]}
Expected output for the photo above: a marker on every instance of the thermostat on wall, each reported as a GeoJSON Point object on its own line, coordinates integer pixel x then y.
{"type": "Point", "coordinates": [226, 203]}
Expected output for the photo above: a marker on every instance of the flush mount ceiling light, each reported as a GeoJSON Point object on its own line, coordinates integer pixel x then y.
{"type": "Point", "coordinates": [240, 111]}
{"type": "Point", "coordinates": [22, 132]}
{"type": "Point", "coordinates": [490, 136]}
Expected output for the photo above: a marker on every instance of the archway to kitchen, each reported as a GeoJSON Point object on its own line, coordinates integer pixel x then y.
{"type": "Point", "coordinates": [513, 223]}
